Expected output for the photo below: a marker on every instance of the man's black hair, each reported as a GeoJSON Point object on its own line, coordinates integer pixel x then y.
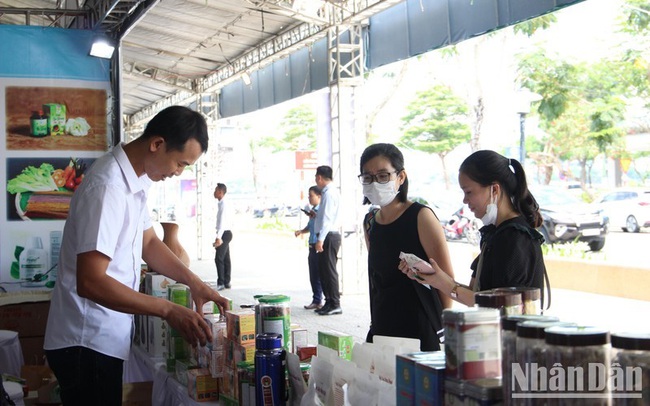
{"type": "Point", "coordinates": [176, 125]}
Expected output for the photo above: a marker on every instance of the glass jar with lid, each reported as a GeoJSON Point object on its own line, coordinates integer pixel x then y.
{"type": "Point", "coordinates": [631, 368]}
{"type": "Point", "coordinates": [275, 317]}
{"type": "Point", "coordinates": [530, 298]}
{"type": "Point", "coordinates": [577, 363]}
{"type": "Point", "coordinates": [509, 346]}
{"type": "Point", "coordinates": [508, 303]}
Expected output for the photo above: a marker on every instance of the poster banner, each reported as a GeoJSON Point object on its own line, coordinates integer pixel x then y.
{"type": "Point", "coordinates": [54, 104]}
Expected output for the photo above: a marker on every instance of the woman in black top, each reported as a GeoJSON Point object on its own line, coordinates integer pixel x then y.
{"type": "Point", "coordinates": [495, 189]}
{"type": "Point", "coordinates": [400, 307]}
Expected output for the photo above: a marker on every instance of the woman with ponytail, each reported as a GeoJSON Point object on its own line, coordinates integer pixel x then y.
{"type": "Point", "coordinates": [496, 191]}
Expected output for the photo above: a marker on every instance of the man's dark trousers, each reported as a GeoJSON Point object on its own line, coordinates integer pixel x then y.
{"type": "Point", "coordinates": [329, 276]}
{"type": "Point", "coordinates": [222, 259]}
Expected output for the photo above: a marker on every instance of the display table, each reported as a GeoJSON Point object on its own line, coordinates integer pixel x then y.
{"type": "Point", "coordinates": [167, 391]}
{"type": "Point", "coordinates": [11, 353]}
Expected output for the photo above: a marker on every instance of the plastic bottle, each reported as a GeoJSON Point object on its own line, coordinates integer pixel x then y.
{"type": "Point", "coordinates": [33, 263]}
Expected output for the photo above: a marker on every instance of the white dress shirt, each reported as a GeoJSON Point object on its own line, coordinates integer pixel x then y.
{"type": "Point", "coordinates": [224, 218]}
{"type": "Point", "coordinates": [108, 213]}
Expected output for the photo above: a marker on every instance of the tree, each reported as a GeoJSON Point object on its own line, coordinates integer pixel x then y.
{"type": "Point", "coordinates": [299, 128]}
{"type": "Point", "coordinates": [436, 123]}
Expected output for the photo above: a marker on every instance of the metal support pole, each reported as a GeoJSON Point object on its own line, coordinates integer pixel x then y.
{"type": "Point", "coordinates": [522, 138]}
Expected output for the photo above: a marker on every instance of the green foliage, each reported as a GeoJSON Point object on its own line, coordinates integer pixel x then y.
{"type": "Point", "coordinates": [436, 121]}
{"type": "Point", "coordinates": [637, 16]}
{"type": "Point", "coordinates": [299, 127]}
{"type": "Point", "coordinates": [530, 27]}
{"type": "Point", "coordinates": [274, 223]}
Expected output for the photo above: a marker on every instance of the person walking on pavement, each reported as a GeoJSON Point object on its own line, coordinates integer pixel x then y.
{"type": "Point", "coordinates": [328, 240]}
{"type": "Point", "coordinates": [224, 236]}
{"type": "Point", "coordinates": [312, 259]}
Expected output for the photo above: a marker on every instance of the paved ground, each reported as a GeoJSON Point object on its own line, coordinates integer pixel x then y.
{"type": "Point", "coordinates": [274, 262]}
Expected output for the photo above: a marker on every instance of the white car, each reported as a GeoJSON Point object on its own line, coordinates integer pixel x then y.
{"type": "Point", "coordinates": [628, 209]}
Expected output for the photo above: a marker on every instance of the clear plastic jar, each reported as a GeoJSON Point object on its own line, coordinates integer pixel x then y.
{"type": "Point", "coordinates": [508, 303]}
{"type": "Point", "coordinates": [631, 368]}
{"type": "Point", "coordinates": [574, 355]}
{"type": "Point", "coordinates": [275, 317]}
{"type": "Point", "coordinates": [509, 347]}
{"type": "Point", "coordinates": [530, 298]}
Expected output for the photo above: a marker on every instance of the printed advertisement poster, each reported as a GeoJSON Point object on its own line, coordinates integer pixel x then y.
{"type": "Point", "coordinates": [54, 123]}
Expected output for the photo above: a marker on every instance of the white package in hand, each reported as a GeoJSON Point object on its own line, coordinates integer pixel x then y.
{"type": "Point", "coordinates": [417, 264]}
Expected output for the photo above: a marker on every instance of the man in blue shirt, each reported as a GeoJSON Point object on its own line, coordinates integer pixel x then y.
{"type": "Point", "coordinates": [328, 240]}
{"type": "Point", "coordinates": [312, 259]}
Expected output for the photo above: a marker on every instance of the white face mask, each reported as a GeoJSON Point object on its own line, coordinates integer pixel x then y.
{"type": "Point", "coordinates": [491, 210]}
{"type": "Point", "coordinates": [380, 194]}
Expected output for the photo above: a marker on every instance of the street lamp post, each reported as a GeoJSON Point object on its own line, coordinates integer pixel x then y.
{"type": "Point", "coordinates": [523, 99]}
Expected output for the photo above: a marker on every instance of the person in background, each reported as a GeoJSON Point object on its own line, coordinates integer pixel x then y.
{"type": "Point", "coordinates": [107, 233]}
{"type": "Point", "coordinates": [328, 240]}
{"type": "Point", "coordinates": [496, 191]}
{"type": "Point", "coordinates": [400, 307]}
{"type": "Point", "coordinates": [312, 259]}
{"type": "Point", "coordinates": [224, 236]}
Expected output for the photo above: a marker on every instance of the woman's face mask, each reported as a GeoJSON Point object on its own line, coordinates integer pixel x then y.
{"type": "Point", "coordinates": [491, 210]}
{"type": "Point", "coordinates": [380, 194]}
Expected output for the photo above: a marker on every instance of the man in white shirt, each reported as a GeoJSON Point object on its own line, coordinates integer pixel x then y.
{"type": "Point", "coordinates": [224, 236]}
{"type": "Point", "coordinates": [106, 236]}
{"type": "Point", "coordinates": [327, 225]}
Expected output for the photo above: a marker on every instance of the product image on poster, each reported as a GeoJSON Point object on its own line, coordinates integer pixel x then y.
{"type": "Point", "coordinates": [41, 188]}
{"type": "Point", "coordinates": [55, 118]}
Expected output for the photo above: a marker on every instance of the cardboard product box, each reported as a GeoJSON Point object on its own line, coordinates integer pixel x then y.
{"type": "Point", "coordinates": [228, 383]}
{"type": "Point", "coordinates": [178, 349]}
{"type": "Point", "coordinates": [137, 393]}
{"type": "Point", "coordinates": [405, 373]}
{"type": "Point", "coordinates": [299, 338]}
{"type": "Point", "coordinates": [56, 118]}
{"type": "Point", "coordinates": [340, 342]}
{"type": "Point", "coordinates": [182, 366]}
{"type": "Point", "coordinates": [26, 313]}
{"type": "Point", "coordinates": [180, 294]}
{"type": "Point", "coordinates": [219, 329]}
{"type": "Point", "coordinates": [27, 318]}
{"type": "Point", "coordinates": [236, 353]}
{"type": "Point", "coordinates": [430, 382]}
{"type": "Point", "coordinates": [156, 284]}
{"type": "Point", "coordinates": [241, 326]}
{"type": "Point", "coordinates": [201, 386]}
{"type": "Point", "coordinates": [305, 353]}
{"type": "Point", "coordinates": [158, 336]}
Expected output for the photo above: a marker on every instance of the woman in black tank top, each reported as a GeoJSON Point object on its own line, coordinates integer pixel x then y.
{"type": "Point", "coordinates": [399, 306]}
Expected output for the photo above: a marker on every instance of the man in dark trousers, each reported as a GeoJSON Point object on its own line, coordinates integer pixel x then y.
{"type": "Point", "coordinates": [224, 236]}
{"type": "Point", "coordinates": [327, 225]}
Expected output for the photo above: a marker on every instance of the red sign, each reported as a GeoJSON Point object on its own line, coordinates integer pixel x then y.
{"type": "Point", "coordinates": [306, 160]}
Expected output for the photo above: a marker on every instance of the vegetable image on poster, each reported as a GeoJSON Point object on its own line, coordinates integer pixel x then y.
{"type": "Point", "coordinates": [41, 188]}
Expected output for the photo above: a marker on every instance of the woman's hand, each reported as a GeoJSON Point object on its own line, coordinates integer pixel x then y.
{"type": "Point", "coordinates": [439, 279]}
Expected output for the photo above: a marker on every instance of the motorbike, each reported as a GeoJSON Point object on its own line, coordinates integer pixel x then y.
{"type": "Point", "coordinates": [462, 225]}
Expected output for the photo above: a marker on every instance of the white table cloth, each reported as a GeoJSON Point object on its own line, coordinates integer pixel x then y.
{"type": "Point", "coordinates": [11, 353]}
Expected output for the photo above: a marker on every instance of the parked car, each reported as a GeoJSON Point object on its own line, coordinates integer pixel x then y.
{"type": "Point", "coordinates": [628, 209]}
{"type": "Point", "coordinates": [276, 211]}
{"type": "Point", "coordinates": [568, 219]}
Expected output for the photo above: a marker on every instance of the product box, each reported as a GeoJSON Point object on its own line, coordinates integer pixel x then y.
{"type": "Point", "coordinates": [236, 353]}
{"type": "Point", "coordinates": [157, 337]}
{"type": "Point", "coordinates": [201, 386]}
{"type": "Point", "coordinates": [178, 349]}
{"type": "Point", "coordinates": [219, 329]}
{"type": "Point", "coordinates": [26, 313]}
{"type": "Point", "coordinates": [56, 118]}
{"type": "Point", "coordinates": [405, 373]}
{"type": "Point", "coordinates": [180, 294]}
{"type": "Point", "coordinates": [430, 382]}
{"type": "Point", "coordinates": [299, 338]}
{"type": "Point", "coordinates": [228, 383]}
{"type": "Point", "coordinates": [156, 284]}
{"type": "Point", "coordinates": [182, 366]}
{"type": "Point", "coordinates": [340, 342]}
{"type": "Point", "coordinates": [241, 326]}
{"type": "Point", "coordinates": [305, 353]}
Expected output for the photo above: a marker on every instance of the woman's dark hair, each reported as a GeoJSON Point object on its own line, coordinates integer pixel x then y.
{"type": "Point", "coordinates": [317, 191]}
{"type": "Point", "coordinates": [488, 167]}
{"type": "Point", "coordinates": [176, 125]}
{"type": "Point", "coordinates": [394, 155]}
